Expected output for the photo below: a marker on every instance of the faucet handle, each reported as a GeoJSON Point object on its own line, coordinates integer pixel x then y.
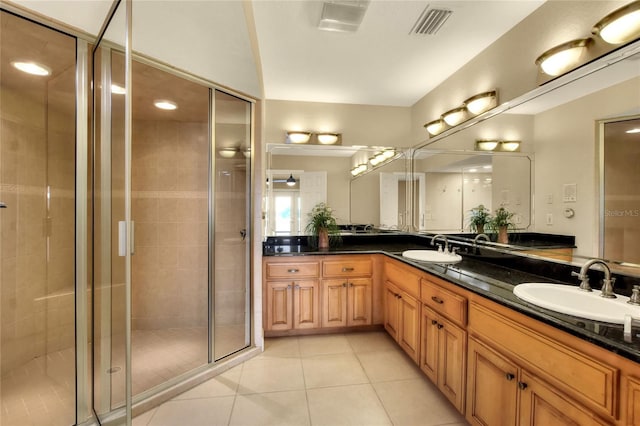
{"type": "Point", "coordinates": [584, 280]}
{"type": "Point", "coordinates": [635, 296]}
{"type": "Point", "coordinates": [607, 288]}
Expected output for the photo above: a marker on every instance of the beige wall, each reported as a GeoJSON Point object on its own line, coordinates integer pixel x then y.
{"type": "Point", "coordinates": [359, 124]}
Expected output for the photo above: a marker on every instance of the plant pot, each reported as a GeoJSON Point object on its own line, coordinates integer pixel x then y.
{"type": "Point", "coordinates": [503, 236]}
{"type": "Point", "coordinates": [323, 239]}
{"type": "Point", "coordinates": [480, 228]}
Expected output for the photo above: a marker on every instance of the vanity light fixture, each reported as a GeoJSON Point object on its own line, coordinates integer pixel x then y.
{"type": "Point", "coordinates": [359, 169]}
{"type": "Point", "coordinates": [328, 138]}
{"type": "Point", "coordinates": [389, 153]}
{"type": "Point", "coordinates": [486, 145]}
{"type": "Point", "coordinates": [510, 146]}
{"type": "Point", "coordinates": [165, 104]}
{"type": "Point", "coordinates": [620, 26]}
{"type": "Point", "coordinates": [434, 127]}
{"type": "Point", "coordinates": [455, 116]}
{"type": "Point", "coordinates": [374, 160]}
{"type": "Point", "coordinates": [298, 137]}
{"type": "Point", "coordinates": [117, 89]}
{"type": "Point", "coordinates": [632, 131]}
{"type": "Point", "coordinates": [227, 152]}
{"type": "Point", "coordinates": [291, 181]}
{"type": "Point", "coordinates": [562, 58]}
{"type": "Point", "coordinates": [32, 68]}
{"type": "Point", "coordinates": [247, 152]}
{"type": "Point", "coordinates": [481, 102]}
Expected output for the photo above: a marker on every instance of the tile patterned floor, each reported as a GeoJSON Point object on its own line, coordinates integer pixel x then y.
{"type": "Point", "coordinates": [346, 379]}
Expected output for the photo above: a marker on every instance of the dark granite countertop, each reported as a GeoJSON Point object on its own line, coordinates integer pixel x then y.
{"type": "Point", "coordinates": [492, 274]}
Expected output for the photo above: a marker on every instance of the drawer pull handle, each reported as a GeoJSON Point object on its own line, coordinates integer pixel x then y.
{"type": "Point", "coordinates": [437, 300]}
{"type": "Point", "coordinates": [347, 269]}
{"type": "Point", "coordinates": [510, 376]}
{"type": "Point", "coordinates": [522, 385]}
{"type": "Point", "coordinates": [293, 271]}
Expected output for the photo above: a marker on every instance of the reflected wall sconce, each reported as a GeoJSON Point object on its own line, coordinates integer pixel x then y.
{"type": "Point", "coordinates": [497, 146]}
{"type": "Point", "coordinates": [455, 116]}
{"type": "Point", "coordinates": [435, 127]}
{"type": "Point", "coordinates": [327, 138]}
{"type": "Point", "coordinates": [227, 152]}
{"type": "Point", "coordinates": [291, 181]}
{"type": "Point", "coordinates": [620, 26]}
{"type": "Point", "coordinates": [562, 58]}
{"type": "Point", "coordinates": [475, 105]}
{"type": "Point", "coordinates": [486, 145]}
{"type": "Point", "coordinates": [165, 104]}
{"type": "Point", "coordinates": [298, 137]}
{"type": "Point", "coordinates": [481, 102]}
{"type": "Point", "coordinates": [359, 169]}
{"type": "Point", "coordinates": [382, 156]}
{"type": "Point", "coordinates": [117, 89]}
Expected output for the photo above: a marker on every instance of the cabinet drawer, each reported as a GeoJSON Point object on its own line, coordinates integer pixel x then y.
{"type": "Point", "coordinates": [292, 270]}
{"type": "Point", "coordinates": [587, 380]}
{"type": "Point", "coordinates": [403, 278]}
{"type": "Point", "coordinates": [347, 268]}
{"type": "Point", "coordinates": [444, 302]}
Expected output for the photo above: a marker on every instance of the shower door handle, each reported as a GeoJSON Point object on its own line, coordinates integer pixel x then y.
{"type": "Point", "coordinates": [122, 238]}
{"type": "Point", "coordinates": [243, 234]}
{"type": "Point", "coordinates": [2, 205]}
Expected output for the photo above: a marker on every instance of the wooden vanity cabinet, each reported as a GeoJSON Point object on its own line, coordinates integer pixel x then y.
{"type": "Point", "coordinates": [631, 387]}
{"type": "Point", "coordinates": [402, 307]}
{"type": "Point", "coordinates": [443, 340]}
{"type": "Point", "coordinates": [292, 299]}
{"type": "Point", "coordinates": [346, 291]}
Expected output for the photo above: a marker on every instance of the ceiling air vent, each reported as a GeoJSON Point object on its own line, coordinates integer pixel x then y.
{"type": "Point", "coordinates": [430, 21]}
{"type": "Point", "coordinates": [342, 15]}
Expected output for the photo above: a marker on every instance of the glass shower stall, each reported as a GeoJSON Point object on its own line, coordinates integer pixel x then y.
{"type": "Point", "coordinates": [125, 225]}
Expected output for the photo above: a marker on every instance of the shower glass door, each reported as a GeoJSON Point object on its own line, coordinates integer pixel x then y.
{"type": "Point", "coordinates": [231, 224]}
{"type": "Point", "coordinates": [111, 279]}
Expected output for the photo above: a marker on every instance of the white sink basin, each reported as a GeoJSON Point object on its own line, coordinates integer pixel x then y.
{"type": "Point", "coordinates": [432, 256]}
{"type": "Point", "coordinates": [571, 300]}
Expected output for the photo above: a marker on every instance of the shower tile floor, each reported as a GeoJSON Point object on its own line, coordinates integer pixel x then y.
{"type": "Point", "coordinates": [356, 379]}
{"type": "Point", "coordinates": [42, 391]}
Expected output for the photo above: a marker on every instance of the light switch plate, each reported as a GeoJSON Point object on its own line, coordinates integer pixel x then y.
{"type": "Point", "coordinates": [569, 193]}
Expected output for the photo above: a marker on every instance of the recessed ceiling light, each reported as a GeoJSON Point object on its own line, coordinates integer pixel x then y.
{"type": "Point", "coordinates": [166, 105]}
{"type": "Point", "coordinates": [636, 130]}
{"type": "Point", "coordinates": [32, 68]}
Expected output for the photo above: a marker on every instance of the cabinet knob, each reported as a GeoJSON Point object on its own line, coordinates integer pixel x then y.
{"type": "Point", "coordinates": [293, 270]}
{"type": "Point", "coordinates": [289, 287]}
{"type": "Point", "coordinates": [434, 322]}
{"type": "Point", "coordinates": [440, 326]}
{"type": "Point", "coordinates": [510, 376]}
{"type": "Point", "coordinates": [437, 300]}
{"type": "Point", "coordinates": [522, 385]}
{"type": "Point", "coordinates": [297, 287]}
{"type": "Point", "coordinates": [347, 269]}
{"type": "Point", "coordinates": [344, 284]}
{"type": "Point", "coordinates": [398, 296]}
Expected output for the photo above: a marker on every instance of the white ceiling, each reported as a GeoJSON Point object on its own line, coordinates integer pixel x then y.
{"type": "Point", "coordinates": [380, 64]}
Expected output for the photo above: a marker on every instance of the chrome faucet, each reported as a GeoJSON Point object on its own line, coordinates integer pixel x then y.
{"type": "Point", "coordinates": [368, 228]}
{"type": "Point", "coordinates": [444, 237]}
{"type": "Point", "coordinates": [607, 282]}
{"type": "Point", "coordinates": [479, 237]}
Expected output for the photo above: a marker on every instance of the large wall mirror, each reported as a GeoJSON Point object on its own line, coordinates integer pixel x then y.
{"type": "Point", "coordinates": [560, 126]}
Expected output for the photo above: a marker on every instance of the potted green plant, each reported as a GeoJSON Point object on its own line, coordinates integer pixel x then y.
{"type": "Point", "coordinates": [501, 222]}
{"type": "Point", "coordinates": [322, 225]}
{"type": "Point", "coordinates": [479, 217]}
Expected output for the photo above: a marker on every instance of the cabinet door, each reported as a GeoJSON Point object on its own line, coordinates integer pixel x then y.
{"type": "Point", "coordinates": [409, 338]}
{"type": "Point", "coordinates": [429, 344]}
{"type": "Point", "coordinates": [492, 387]}
{"type": "Point", "coordinates": [279, 305]}
{"type": "Point", "coordinates": [452, 362]}
{"type": "Point", "coordinates": [633, 401]}
{"type": "Point", "coordinates": [334, 303]}
{"type": "Point", "coordinates": [391, 310]}
{"type": "Point", "coordinates": [359, 301]}
{"type": "Point", "coordinates": [542, 405]}
{"type": "Point", "coordinates": [306, 304]}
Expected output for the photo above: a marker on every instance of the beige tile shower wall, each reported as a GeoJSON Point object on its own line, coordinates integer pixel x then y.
{"type": "Point", "coordinates": [170, 211]}
{"type": "Point", "coordinates": [230, 248]}
{"type": "Point", "coordinates": [37, 283]}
